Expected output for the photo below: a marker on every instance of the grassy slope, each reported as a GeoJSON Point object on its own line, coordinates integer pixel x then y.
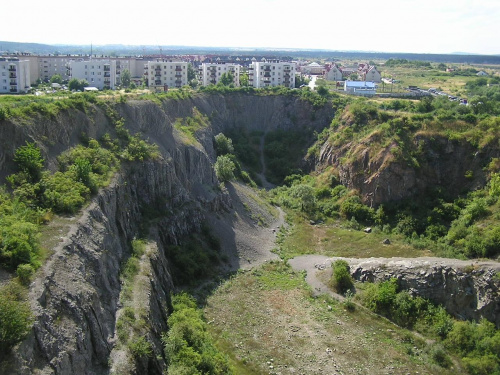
{"type": "Point", "coordinates": [266, 317]}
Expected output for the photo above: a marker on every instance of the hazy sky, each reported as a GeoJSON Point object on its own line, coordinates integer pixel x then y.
{"type": "Point", "coordinates": [427, 26]}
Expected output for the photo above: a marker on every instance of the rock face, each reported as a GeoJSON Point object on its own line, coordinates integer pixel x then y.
{"type": "Point", "coordinates": [382, 177]}
{"type": "Point", "coordinates": [468, 290]}
{"type": "Point", "coordinates": [75, 296]}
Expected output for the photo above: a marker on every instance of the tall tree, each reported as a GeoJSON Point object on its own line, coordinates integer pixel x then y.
{"type": "Point", "coordinates": [125, 78]}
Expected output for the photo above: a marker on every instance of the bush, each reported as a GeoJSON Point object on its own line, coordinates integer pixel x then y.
{"type": "Point", "coordinates": [15, 316]}
{"type": "Point", "coordinates": [29, 160]}
{"type": "Point", "coordinates": [341, 278]}
{"type": "Point", "coordinates": [439, 355]}
{"type": "Point", "coordinates": [223, 144]}
{"type": "Point", "coordinates": [224, 168]}
{"type": "Point", "coordinates": [188, 346]}
{"type": "Point", "coordinates": [140, 347]}
{"type": "Point", "coordinates": [25, 273]}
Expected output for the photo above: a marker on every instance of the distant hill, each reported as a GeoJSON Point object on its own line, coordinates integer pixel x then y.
{"type": "Point", "coordinates": [132, 50]}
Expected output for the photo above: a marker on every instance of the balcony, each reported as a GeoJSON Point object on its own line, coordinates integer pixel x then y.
{"type": "Point", "coordinates": [268, 69]}
{"type": "Point", "coordinates": [158, 69]}
{"type": "Point", "coordinates": [13, 83]}
{"type": "Point", "coordinates": [158, 74]}
{"type": "Point", "coordinates": [12, 69]}
{"type": "Point", "coordinates": [13, 90]}
{"type": "Point", "coordinates": [286, 75]}
{"type": "Point", "coordinates": [12, 75]}
{"type": "Point", "coordinates": [118, 72]}
{"type": "Point", "coordinates": [106, 74]}
{"type": "Point", "coordinates": [107, 69]}
{"type": "Point", "coordinates": [158, 82]}
{"type": "Point", "coordinates": [267, 81]}
{"type": "Point", "coordinates": [267, 74]}
{"type": "Point", "coordinates": [178, 74]}
{"type": "Point", "coordinates": [178, 68]}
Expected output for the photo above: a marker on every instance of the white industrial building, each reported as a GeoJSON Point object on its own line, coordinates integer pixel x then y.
{"type": "Point", "coordinates": [163, 75]}
{"type": "Point", "coordinates": [98, 73]}
{"type": "Point", "coordinates": [14, 75]}
{"type": "Point", "coordinates": [272, 73]}
{"type": "Point", "coordinates": [362, 88]}
{"type": "Point", "coordinates": [211, 73]}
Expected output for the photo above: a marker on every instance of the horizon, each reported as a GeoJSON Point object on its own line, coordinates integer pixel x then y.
{"type": "Point", "coordinates": [236, 49]}
{"type": "Point", "coordinates": [407, 26]}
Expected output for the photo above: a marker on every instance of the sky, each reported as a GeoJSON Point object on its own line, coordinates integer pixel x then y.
{"type": "Point", "coordinates": [418, 26]}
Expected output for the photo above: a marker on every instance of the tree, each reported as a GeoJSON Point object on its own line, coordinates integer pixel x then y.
{"type": "Point", "coordinates": [125, 78]}
{"type": "Point", "coordinates": [191, 73]}
{"type": "Point", "coordinates": [224, 168]}
{"type": "Point", "coordinates": [77, 84]}
{"type": "Point", "coordinates": [354, 77]}
{"type": "Point", "coordinates": [223, 144]}
{"type": "Point", "coordinates": [322, 90]}
{"type": "Point", "coordinates": [56, 78]}
{"type": "Point", "coordinates": [341, 278]}
{"type": "Point", "coordinates": [227, 78]}
{"type": "Point", "coordinates": [244, 79]}
{"type": "Point", "coordinates": [305, 195]}
{"type": "Point", "coordinates": [29, 160]}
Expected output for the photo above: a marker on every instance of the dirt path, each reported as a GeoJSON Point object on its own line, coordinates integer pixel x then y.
{"type": "Point", "coordinates": [313, 263]}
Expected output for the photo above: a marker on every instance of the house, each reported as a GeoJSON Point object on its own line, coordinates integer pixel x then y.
{"type": "Point", "coordinates": [482, 74]}
{"type": "Point", "coordinates": [332, 72]}
{"type": "Point", "coordinates": [362, 88]}
{"type": "Point", "coordinates": [211, 73]}
{"type": "Point", "coordinates": [14, 75]}
{"type": "Point", "coordinates": [272, 73]}
{"type": "Point", "coordinates": [166, 74]}
{"type": "Point", "coordinates": [369, 73]}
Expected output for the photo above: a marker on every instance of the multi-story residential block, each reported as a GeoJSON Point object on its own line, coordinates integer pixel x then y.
{"type": "Point", "coordinates": [48, 66]}
{"type": "Point", "coordinates": [14, 75]}
{"type": "Point", "coordinates": [271, 73]}
{"type": "Point", "coordinates": [98, 73]}
{"type": "Point", "coordinates": [163, 75]}
{"type": "Point", "coordinates": [211, 73]}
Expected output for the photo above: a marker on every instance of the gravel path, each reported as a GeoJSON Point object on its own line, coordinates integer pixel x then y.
{"type": "Point", "coordinates": [314, 263]}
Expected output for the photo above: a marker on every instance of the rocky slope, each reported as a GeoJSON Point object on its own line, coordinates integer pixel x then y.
{"type": "Point", "coordinates": [382, 177]}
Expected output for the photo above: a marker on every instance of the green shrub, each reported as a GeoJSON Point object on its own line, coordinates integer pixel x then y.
{"type": "Point", "coordinates": [223, 144]}
{"type": "Point", "coordinates": [341, 279]}
{"type": "Point", "coordinates": [15, 316]}
{"type": "Point", "coordinates": [439, 356]}
{"type": "Point", "coordinates": [25, 273]}
{"type": "Point", "coordinates": [380, 297]}
{"type": "Point", "coordinates": [63, 193]}
{"type": "Point", "coordinates": [140, 347]}
{"type": "Point", "coordinates": [29, 160]}
{"type": "Point", "coordinates": [188, 346]}
{"type": "Point", "coordinates": [224, 168]}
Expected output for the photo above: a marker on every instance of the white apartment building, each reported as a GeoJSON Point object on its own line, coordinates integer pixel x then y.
{"type": "Point", "coordinates": [163, 75]}
{"type": "Point", "coordinates": [211, 73]}
{"type": "Point", "coordinates": [274, 73]}
{"type": "Point", "coordinates": [48, 66]}
{"type": "Point", "coordinates": [14, 75]}
{"type": "Point", "coordinates": [98, 73]}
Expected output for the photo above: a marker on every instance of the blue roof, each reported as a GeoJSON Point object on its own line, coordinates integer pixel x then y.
{"type": "Point", "coordinates": [362, 84]}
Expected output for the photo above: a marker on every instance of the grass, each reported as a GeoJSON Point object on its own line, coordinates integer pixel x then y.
{"type": "Point", "coordinates": [333, 239]}
{"type": "Point", "coordinates": [267, 323]}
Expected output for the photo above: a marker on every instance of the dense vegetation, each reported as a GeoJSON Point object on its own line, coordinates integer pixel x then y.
{"type": "Point", "coordinates": [478, 344]}
{"type": "Point", "coordinates": [188, 346]}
